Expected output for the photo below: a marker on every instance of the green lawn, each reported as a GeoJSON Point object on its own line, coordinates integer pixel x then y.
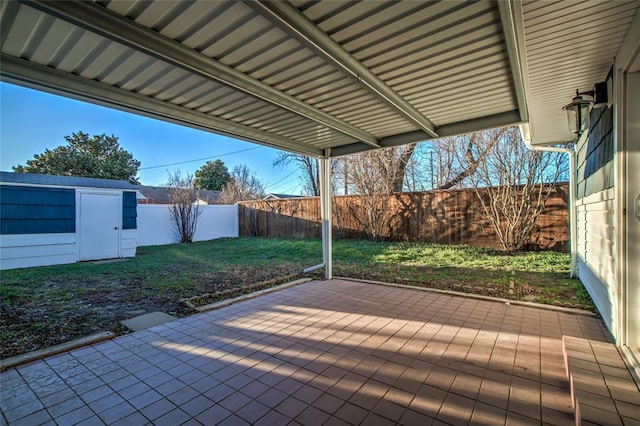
{"type": "Point", "coordinates": [48, 305]}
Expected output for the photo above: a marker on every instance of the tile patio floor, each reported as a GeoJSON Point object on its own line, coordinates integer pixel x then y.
{"type": "Point", "coordinates": [325, 352]}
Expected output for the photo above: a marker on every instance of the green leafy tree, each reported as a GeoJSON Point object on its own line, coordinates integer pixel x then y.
{"type": "Point", "coordinates": [212, 175]}
{"type": "Point", "coordinates": [98, 156]}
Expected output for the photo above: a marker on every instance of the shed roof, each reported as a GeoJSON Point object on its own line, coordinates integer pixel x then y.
{"type": "Point", "coordinates": [321, 78]}
{"type": "Point", "coordinates": [69, 181]}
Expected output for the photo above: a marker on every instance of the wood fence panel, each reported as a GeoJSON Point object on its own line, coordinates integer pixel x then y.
{"type": "Point", "coordinates": [446, 217]}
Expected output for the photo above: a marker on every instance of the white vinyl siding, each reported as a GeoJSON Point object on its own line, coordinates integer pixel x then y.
{"type": "Point", "coordinates": [27, 250]}
{"type": "Point", "coordinates": [596, 249]}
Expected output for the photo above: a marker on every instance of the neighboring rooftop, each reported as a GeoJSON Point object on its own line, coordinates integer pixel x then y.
{"type": "Point", "coordinates": [273, 196]}
{"type": "Point", "coordinates": [55, 180]}
{"type": "Point", "coordinates": [160, 195]}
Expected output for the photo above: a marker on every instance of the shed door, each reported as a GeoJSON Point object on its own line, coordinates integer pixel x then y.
{"type": "Point", "coordinates": [99, 223]}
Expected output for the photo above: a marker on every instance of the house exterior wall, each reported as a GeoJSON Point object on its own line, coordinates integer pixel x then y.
{"type": "Point", "coordinates": [596, 207]}
{"type": "Point", "coordinates": [595, 154]}
{"type": "Point", "coordinates": [608, 203]}
{"type": "Point", "coordinates": [596, 212]}
{"type": "Point", "coordinates": [632, 218]}
{"type": "Point", "coordinates": [596, 249]}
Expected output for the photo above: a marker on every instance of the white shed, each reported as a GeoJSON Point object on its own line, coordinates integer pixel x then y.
{"type": "Point", "coordinates": [50, 220]}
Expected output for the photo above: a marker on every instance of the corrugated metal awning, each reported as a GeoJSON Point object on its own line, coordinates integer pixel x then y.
{"type": "Point", "coordinates": [302, 76]}
{"type": "Point", "coordinates": [569, 46]}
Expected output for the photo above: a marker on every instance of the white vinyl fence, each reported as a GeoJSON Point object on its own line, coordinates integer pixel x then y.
{"type": "Point", "coordinates": [156, 228]}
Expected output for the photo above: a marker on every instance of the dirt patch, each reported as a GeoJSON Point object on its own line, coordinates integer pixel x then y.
{"type": "Point", "coordinates": [59, 311]}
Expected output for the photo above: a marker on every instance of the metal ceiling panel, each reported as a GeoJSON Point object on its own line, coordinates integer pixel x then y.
{"type": "Point", "coordinates": [568, 54]}
{"type": "Point", "coordinates": [416, 47]}
{"type": "Point", "coordinates": [306, 75]}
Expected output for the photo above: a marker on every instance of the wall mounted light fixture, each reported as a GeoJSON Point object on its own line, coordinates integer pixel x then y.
{"type": "Point", "coordinates": [578, 109]}
{"type": "Point", "coordinates": [578, 112]}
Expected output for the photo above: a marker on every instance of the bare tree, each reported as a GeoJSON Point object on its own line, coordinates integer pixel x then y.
{"type": "Point", "coordinates": [184, 209]}
{"type": "Point", "coordinates": [243, 185]}
{"type": "Point", "coordinates": [399, 160]}
{"type": "Point", "coordinates": [516, 182]}
{"type": "Point", "coordinates": [374, 175]}
{"type": "Point", "coordinates": [308, 167]}
{"type": "Point", "coordinates": [388, 167]}
{"type": "Point", "coordinates": [309, 171]}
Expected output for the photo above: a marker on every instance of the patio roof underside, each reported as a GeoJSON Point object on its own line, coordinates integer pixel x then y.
{"type": "Point", "coordinates": [308, 76]}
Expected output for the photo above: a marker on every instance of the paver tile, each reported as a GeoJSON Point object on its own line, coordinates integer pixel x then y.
{"type": "Point", "coordinates": [75, 416]}
{"type": "Point", "coordinates": [145, 399]}
{"type": "Point", "coordinates": [291, 407]}
{"type": "Point", "coordinates": [411, 417]}
{"type": "Point", "coordinates": [373, 419]}
{"type": "Point", "coordinates": [116, 412]}
{"type": "Point", "coordinates": [66, 406]}
{"type": "Point", "coordinates": [134, 419]}
{"type": "Point", "coordinates": [213, 415]}
{"type": "Point", "coordinates": [37, 418]}
{"type": "Point", "coordinates": [272, 397]}
{"type": "Point", "coordinates": [235, 401]}
{"type": "Point", "coordinates": [389, 410]}
{"type": "Point", "coordinates": [29, 407]}
{"type": "Point", "coordinates": [631, 411]}
{"type": "Point", "coordinates": [197, 405]}
{"type": "Point", "coordinates": [252, 411]}
{"type": "Point", "coordinates": [351, 413]}
{"type": "Point", "coordinates": [172, 418]}
{"type": "Point", "coordinates": [157, 409]}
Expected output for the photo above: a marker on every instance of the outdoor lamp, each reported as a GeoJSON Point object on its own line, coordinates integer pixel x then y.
{"type": "Point", "coordinates": [578, 109]}
{"type": "Point", "coordinates": [578, 112]}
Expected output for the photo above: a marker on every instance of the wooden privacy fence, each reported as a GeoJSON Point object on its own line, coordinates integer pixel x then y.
{"type": "Point", "coordinates": [446, 217]}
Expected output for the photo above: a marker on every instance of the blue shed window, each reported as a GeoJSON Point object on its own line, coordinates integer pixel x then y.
{"type": "Point", "coordinates": [129, 210]}
{"type": "Point", "coordinates": [35, 210]}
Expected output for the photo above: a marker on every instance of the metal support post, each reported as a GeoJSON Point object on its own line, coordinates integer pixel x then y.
{"type": "Point", "coordinates": [325, 211]}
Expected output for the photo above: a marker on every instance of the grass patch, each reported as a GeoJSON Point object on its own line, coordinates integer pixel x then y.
{"type": "Point", "coordinates": [533, 276]}
{"type": "Point", "coordinates": [44, 306]}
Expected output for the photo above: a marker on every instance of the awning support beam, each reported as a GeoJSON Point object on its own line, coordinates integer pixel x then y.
{"type": "Point", "coordinates": [513, 30]}
{"type": "Point", "coordinates": [102, 21]}
{"type": "Point", "coordinates": [297, 25]}
{"type": "Point", "coordinates": [25, 73]}
{"type": "Point", "coordinates": [502, 119]}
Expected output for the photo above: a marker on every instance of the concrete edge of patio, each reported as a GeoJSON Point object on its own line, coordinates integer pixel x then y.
{"type": "Point", "coordinates": [54, 350]}
{"type": "Point", "coordinates": [575, 311]}
{"type": "Point", "coordinates": [227, 302]}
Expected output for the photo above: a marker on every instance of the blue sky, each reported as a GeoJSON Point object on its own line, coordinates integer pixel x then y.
{"type": "Point", "coordinates": [32, 121]}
